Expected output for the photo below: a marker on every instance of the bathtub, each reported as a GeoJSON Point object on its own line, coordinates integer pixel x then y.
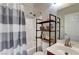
{"type": "Point", "coordinates": [31, 47]}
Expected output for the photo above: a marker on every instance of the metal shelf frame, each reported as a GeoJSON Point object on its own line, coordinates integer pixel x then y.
{"type": "Point", "coordinates": [49, 22]}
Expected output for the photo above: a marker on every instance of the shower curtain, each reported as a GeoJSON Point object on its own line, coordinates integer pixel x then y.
{"type": "Point", "coordinates": [12, 30]}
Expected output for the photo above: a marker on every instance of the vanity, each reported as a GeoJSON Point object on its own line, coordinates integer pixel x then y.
{"type": "Point", "coordinates": [60, 49]}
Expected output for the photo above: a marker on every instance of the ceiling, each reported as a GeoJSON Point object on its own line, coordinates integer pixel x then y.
{"type": "Point", "coordinates": [36, 8]}
{"type": "Point", "coordinates": [58, 6]}
{"type": "Point", "coordinates": [64, 5]}
{"type": "Point", "coordinates": [43, 6]}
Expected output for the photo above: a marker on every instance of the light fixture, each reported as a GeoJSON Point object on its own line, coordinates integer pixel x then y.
{"type": "Point", "coordinates": [57, 4]}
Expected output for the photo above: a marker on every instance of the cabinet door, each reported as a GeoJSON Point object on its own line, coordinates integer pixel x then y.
{"type": "Point", "coordinates": [49, 53]}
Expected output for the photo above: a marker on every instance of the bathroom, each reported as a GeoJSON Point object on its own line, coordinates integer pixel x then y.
{"type": "Point", "coordinates": [56, 25]}
{"type": "Point", "coordinates": [42, 10]}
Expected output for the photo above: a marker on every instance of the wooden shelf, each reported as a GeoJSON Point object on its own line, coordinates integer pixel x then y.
{"type": "Point", "coordinates": [39, 19]}
{"type": "Point", "coordinates": [47, 30]}
{"type": "Point", "coordinates": [45, 21]}
{"type": "Point", "coordinates": [47, 40]}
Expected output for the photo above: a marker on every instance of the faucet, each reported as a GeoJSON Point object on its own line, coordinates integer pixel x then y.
{"type": "Point", "coordinates": [67, 40]}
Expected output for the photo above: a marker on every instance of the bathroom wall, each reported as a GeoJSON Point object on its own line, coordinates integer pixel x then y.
{"type": "Point", "coordinates": [44, 9]}
{"type": "Point", "coordinates": [71, 25]}
{"type": "Point", "coordinates": [30, 30]}
{"type": "Point", "coordinates": [68, 10]}
{"type": "Point", "coordinates": [30, 23]}
{"type": "Point", "coordinates": [31, 20]}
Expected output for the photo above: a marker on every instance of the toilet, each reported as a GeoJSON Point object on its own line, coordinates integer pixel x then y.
{"type": "Point", "coordinates": [39, 53]}
{"type": "Point", "coordinates": [43, 47]}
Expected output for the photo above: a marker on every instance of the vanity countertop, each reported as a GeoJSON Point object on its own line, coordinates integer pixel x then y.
{"type": "Point", "coordinates": [60, 49]}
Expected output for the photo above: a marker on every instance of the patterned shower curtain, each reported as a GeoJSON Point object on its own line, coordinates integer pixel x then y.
{"type": "Point", "coordinates": [12, 30]}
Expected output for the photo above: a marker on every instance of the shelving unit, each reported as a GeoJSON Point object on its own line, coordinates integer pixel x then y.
{"type": "Point", "coordinates": [56, 20]}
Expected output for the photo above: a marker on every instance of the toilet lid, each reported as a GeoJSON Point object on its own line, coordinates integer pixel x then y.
{"type": "Point", "coordinates": [38, 53]}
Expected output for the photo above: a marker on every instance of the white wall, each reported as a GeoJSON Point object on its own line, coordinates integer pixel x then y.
{"type": "Point", "coordinates": [72, 25]}
{"type": "Point", "coordinates": [30, 30]}
{"type": "Point", "coordinates": [31, 21]}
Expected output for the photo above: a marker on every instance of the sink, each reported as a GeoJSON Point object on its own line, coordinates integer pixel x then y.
{"type": "Point", "coordinates": [61, 49]}
{"type": "Point", "coordinates": [68, 50]}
